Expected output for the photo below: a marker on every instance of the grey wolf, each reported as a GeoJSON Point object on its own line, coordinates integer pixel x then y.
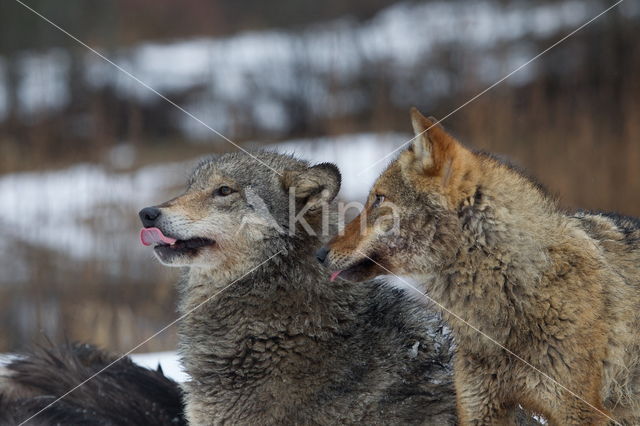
{"type": "Point", "coordinates": [124, 394]}
{"type": "Point", "coordinates": [561, 290]}
{"type": "Point", "coordinates": [282, 345]}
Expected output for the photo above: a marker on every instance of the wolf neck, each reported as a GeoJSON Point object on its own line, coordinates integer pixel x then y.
{"type": "Point", "coordinates": [502, 253]}
{"type": "Point", "coordinates": [299, 276]}
{"type": "Point", "coordinates": [244, 330]}
{"type": "Point", "coordinates": [507, 215]}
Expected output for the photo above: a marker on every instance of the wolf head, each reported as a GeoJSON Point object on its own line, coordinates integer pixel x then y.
{"type": "Point", "coordinates": [412, 214]}
{"type": "Point", "coordinates": [237, 209]}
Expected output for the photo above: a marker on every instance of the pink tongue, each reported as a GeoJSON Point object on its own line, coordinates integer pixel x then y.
{"type": "Point", "coordinates": [334, 275]}
{"type": "Point", "coordinates": [149, 236]}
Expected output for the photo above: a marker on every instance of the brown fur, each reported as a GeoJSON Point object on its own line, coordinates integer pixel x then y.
{"type": "Point", "coordinates": [561, 291]}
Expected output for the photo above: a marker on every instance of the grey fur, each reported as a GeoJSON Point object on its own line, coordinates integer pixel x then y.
{"type": "Point", "coordinates": [283, 345]}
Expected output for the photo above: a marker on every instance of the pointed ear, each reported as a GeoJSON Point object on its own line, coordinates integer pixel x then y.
{"type": "Point", "coordinates": [432, 147]}
{"type": "Point", "coordinates": [315, 185]}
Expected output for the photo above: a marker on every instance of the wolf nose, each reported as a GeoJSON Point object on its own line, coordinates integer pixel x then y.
{"type": "Point", "coordinates": [322, 253]}
{"type": "Point", "coordinates": [148, 216]}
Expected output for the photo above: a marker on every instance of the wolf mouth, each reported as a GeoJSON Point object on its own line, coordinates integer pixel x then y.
{"type": "Point", "coordinates": [359, 271]}
{"type": "Point", "coordinates": [189, 246]}
{"type": "Point", "coordinates": [167, 246]}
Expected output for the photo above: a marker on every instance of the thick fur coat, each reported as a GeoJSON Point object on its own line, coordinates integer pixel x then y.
{"type": "Point", "coordinates": [123, 394]}
{"type": "Point", "coordinates": [561, 291]}
{"type": "Point", "coordinates": [267, 339]}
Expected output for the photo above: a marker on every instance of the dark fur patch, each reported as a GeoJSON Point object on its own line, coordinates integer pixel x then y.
{"type": "Point", "coordinates": [629, 226]}
{"type": "Point", "coordinates": [123, 394]}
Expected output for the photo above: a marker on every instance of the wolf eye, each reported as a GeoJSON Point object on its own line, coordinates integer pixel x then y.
{"type": "Point", "coordinates": [223, 191]}
{"type": "Point", "coordinates": [377, 201]}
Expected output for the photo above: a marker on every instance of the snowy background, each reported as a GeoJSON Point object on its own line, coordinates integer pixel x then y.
{"type": "Point", "coordinates": [83, 146]}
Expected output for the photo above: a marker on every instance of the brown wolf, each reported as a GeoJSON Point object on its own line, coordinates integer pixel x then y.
{"type": "Point", "coordinates": [559, 290]}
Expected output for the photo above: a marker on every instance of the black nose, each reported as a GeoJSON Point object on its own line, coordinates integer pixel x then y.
{"type": "Point", "coordinates": [148, 216]}
{"type": "Point", "coordinates": [321, 254]}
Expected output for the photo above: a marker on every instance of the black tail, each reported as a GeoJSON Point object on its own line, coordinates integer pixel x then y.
{"type": "Point", "coordinates": [123, 394]}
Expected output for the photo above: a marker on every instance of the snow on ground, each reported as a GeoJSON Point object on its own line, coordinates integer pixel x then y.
{"type": "Point", "coordinates": [72, 210]}
{"type": "Point", "coordinates": [169, 362]}
{"type": "Point", "coordinates": [4, 359]}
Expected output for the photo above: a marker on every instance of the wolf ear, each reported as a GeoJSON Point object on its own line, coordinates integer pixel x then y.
{"type": "Point", "coordinates": [315, 185]}
{"type": "Point", "coordinates": [432, 146]}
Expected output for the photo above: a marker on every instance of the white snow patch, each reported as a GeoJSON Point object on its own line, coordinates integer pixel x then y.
{"type": "Point", "coordinates": [81, 210]}
{"type": "Point", "coordinates": [169, 361]}
{"type": "Point", "coordinates": [43, 82]}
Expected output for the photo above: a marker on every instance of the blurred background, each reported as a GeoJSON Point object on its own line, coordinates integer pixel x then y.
{"type": "Point", "coordinates": [83, 146]}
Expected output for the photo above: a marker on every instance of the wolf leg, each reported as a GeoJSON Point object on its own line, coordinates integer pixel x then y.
{"type": "Point", "coordinates": [567, 409]}
{"type": "Point", "coordinates": [576, 412]}
{"type": "Point", "coordinates": [478, 395]}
